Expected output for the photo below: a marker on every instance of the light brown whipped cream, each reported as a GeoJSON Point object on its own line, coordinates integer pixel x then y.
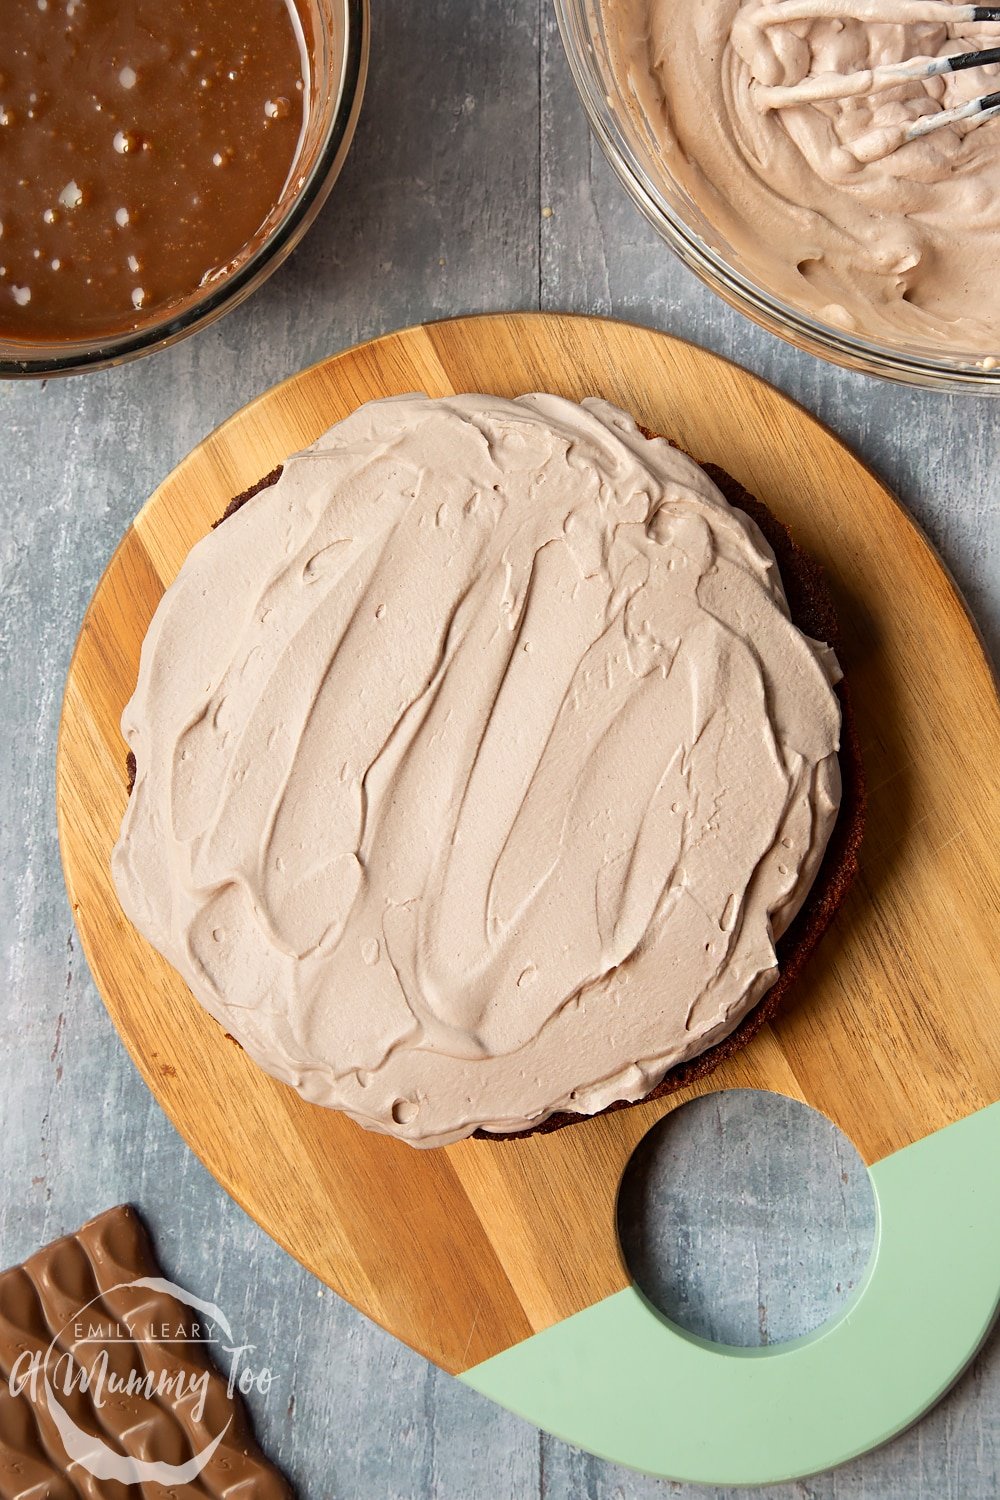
{"type": "Point", "coordinates": [479, 766]}
{"type": "Point", "coordinates": [811, 196]}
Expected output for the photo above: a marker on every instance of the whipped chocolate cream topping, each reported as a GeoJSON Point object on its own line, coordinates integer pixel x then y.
{"type": "Point", "coordinates": [817, 197]}
{"type": "Point", "coordinates": [479, 766]}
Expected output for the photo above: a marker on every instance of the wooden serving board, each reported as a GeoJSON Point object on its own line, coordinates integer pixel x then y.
{"type": "Point", "coordinates": [472, 1250]}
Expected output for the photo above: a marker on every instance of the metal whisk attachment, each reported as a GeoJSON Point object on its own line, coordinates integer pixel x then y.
{"type": "Point", "coordinates": [879, 143]}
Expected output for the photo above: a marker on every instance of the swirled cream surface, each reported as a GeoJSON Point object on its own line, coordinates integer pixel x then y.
{"type": "Point", "coordinates": [784, 139]}
{"type": "Point", "coordinates": [479, 766]}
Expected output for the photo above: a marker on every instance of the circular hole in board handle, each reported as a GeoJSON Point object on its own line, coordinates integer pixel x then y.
{"type": "Point", "coordinates": [746, 1217]}
{"type": "Point", "coordinates": [624, 1382]}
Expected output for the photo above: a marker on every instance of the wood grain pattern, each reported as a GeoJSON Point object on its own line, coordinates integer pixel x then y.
{"type": "Point", "coordinates": [893, 1032]}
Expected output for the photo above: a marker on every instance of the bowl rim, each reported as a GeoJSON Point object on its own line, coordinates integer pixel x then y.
{"type": "Point", "coordinates": [746, 296]}
{"type": "Point", "coordinates": [99, 354]}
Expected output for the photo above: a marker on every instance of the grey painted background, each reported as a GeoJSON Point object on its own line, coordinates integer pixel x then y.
{"type": "Point", "coordinates": [472, 185]}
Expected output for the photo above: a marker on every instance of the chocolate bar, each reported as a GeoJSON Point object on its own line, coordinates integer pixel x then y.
{"type": "Point", "coordinates": [106, 1380]}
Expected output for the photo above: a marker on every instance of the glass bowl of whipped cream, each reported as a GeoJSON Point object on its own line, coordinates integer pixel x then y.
{"type": "Point", "coordinates": [769, 144]}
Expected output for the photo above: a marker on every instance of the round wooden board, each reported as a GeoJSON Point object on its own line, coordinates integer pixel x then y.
{"type": "Point", "coordinates": [893, 1031]}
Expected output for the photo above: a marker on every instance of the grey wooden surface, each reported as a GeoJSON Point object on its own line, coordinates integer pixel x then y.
{"type": "Point", "coordinates": [473, 185]}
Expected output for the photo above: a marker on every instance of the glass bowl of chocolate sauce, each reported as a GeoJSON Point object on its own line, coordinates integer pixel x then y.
{"type": "Point", "coordinates": [159, 159]}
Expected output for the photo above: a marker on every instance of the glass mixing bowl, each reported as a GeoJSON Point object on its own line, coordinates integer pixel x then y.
{"type": "Point", "coordinates": [672, 213]}
{"type": "Point", "coordinates": [339, 66]}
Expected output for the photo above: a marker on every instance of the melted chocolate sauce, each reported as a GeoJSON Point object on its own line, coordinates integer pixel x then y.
{"type": "Point", "coordinates": [143, 144]}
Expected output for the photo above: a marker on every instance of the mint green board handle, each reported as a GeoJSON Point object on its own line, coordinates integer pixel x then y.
{"type": "Point", "coordinates": [623, 1382]}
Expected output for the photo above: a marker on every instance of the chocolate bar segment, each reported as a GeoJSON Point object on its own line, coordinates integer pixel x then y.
{"type": "Point", "coordinates": [107, 1389]}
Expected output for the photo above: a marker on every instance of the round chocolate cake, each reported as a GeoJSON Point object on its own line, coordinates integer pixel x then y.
{"type": "Point", "coordinates": [490, 767]}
